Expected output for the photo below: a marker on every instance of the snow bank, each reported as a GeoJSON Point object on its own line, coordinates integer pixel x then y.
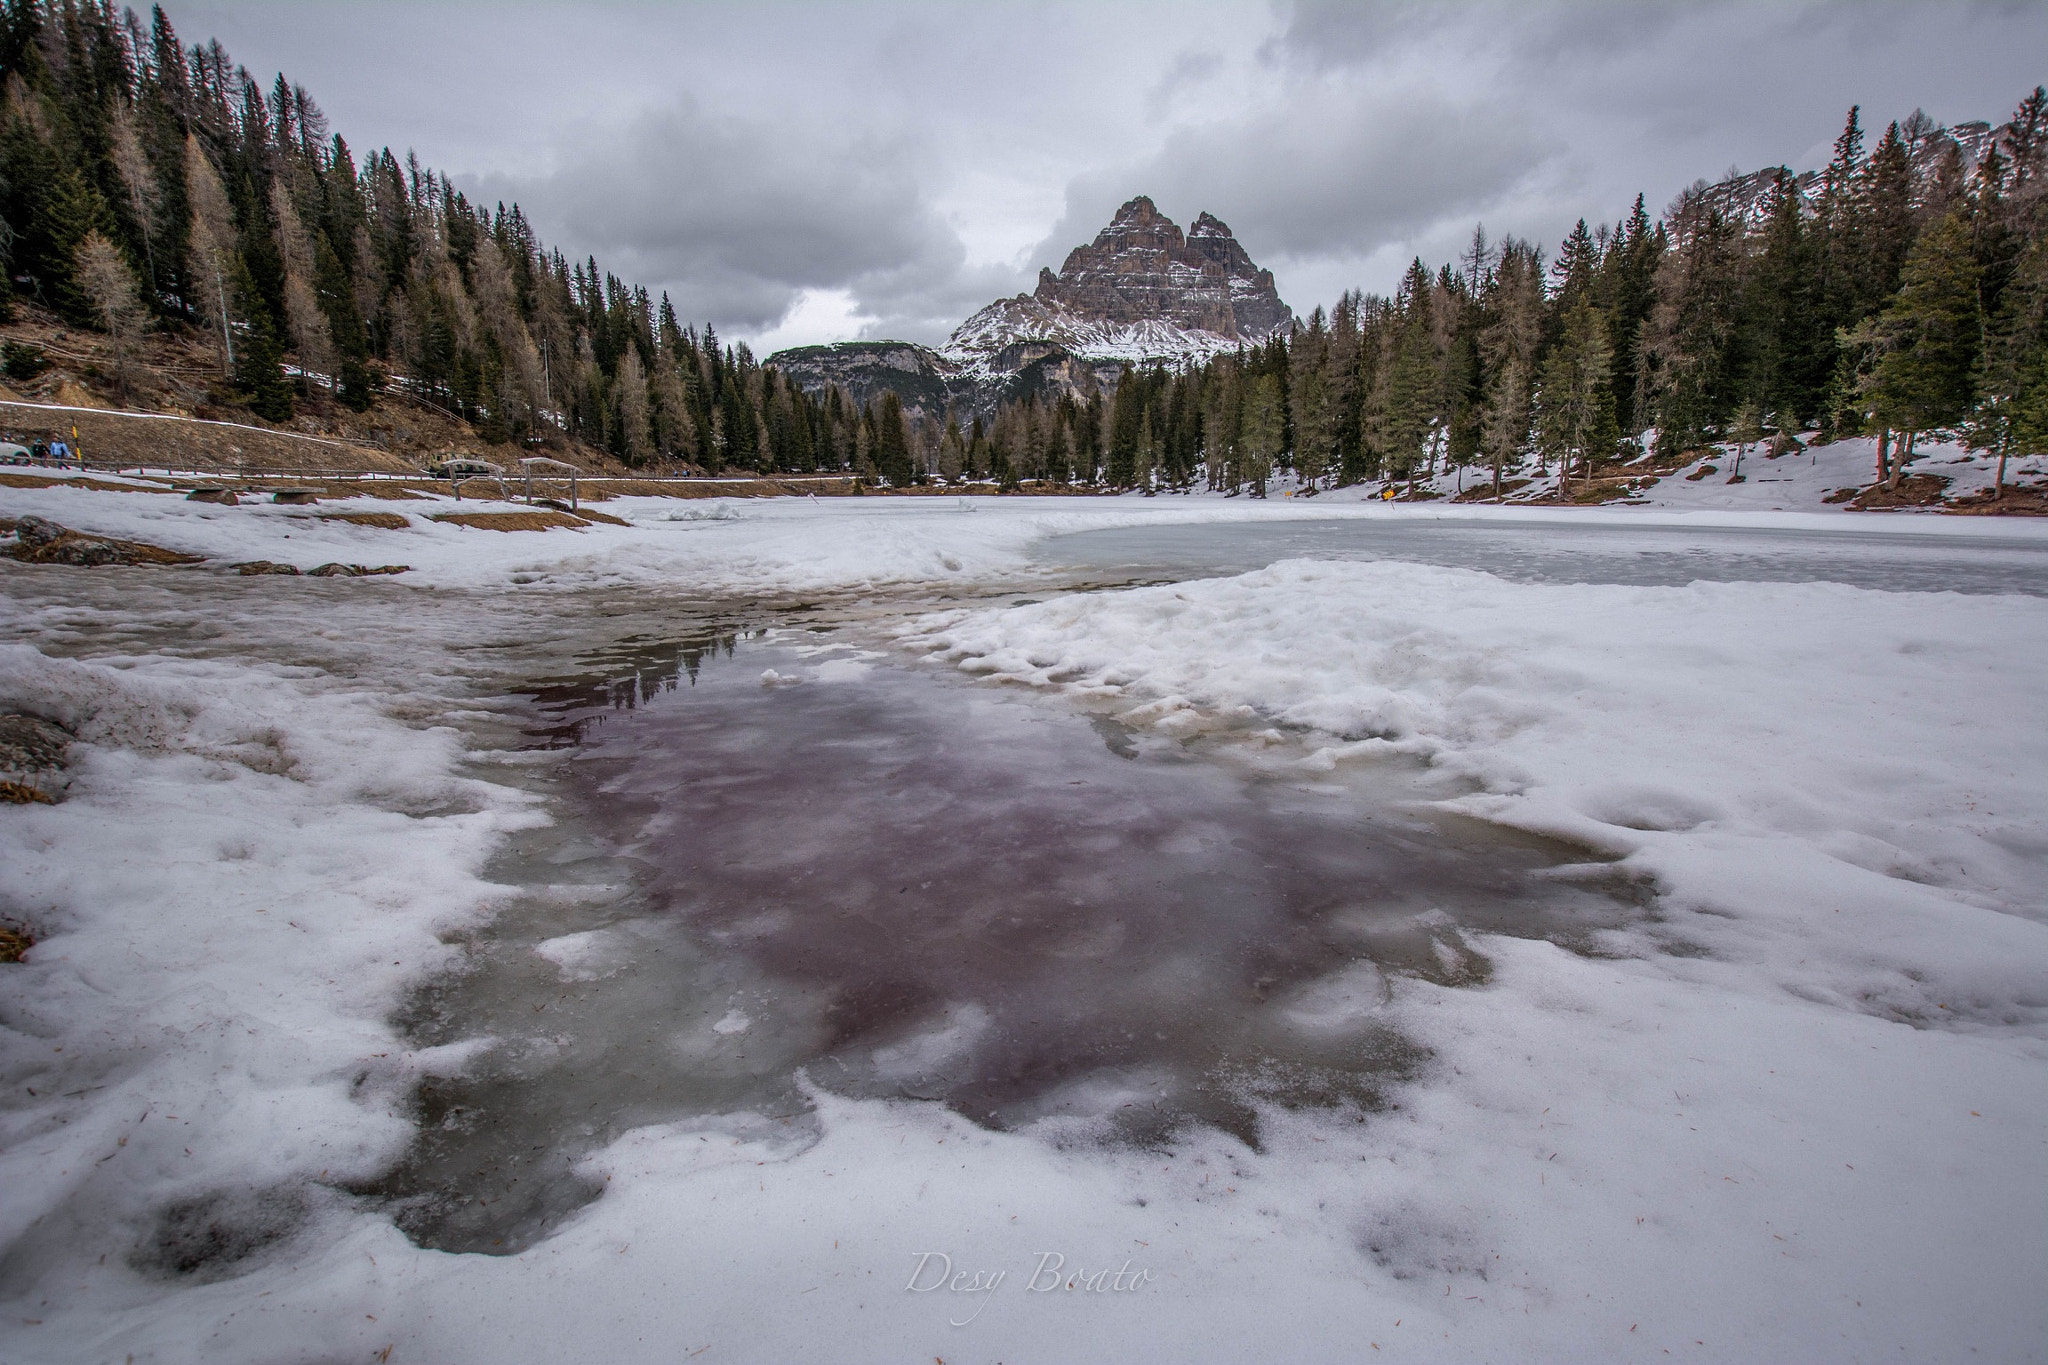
{"type": "Point", "coordinates": [753, 547]}
{"type": "Point", "coordinates": [253, 863]}
{"type": "Point", "coordinates": [1761, 749]}
{"type": "Point", "coordinates": [1796, 1114]}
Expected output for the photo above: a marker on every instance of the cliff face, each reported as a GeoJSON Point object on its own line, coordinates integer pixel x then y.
{"type": "Point", "coordinates": [1142, 291]}
{"type": "Point", "coordinates": [920, 376]}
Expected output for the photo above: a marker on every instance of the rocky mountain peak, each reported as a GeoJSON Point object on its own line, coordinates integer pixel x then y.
{"type": "Point", "coordinates": [1141, 291]}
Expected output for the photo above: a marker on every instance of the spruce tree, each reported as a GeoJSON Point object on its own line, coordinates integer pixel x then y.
{"type": "Point", "coordinates": [892, 442]}
{"type": "Point", "coordinates": [1927, 340]}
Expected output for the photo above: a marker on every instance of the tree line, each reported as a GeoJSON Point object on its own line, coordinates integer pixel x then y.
{"type": "Point", "coordinates": [1898, 292]}
{"type": "Point", "coordinates": [144, 184]}
{"type": "Point", "coordinates": [1901, 290]}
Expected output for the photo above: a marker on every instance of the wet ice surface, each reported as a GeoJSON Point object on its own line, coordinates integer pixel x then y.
{"type": "Point", "coordinates": [1545, 552]}
{"type": "Point", "coordinates": [888, 881]}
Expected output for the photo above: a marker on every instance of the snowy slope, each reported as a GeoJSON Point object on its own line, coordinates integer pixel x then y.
{"type": "Point", "coordinates": [1795, 1114]}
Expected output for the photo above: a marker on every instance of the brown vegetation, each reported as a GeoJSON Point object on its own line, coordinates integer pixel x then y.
{"type": "Point", "coordinates": [512, 521]}
{"type": "Point", "coordinates": [383, 521]}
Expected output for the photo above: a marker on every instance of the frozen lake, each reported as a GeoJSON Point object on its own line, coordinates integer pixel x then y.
{"type": "Point", "coordinates": [1906, 560]}
{"type": "Point", "coordinates": [711, 915]}
{"type": "Point", "coordinates": [897, 884]}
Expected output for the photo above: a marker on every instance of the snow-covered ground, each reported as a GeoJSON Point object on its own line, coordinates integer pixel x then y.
{"type": "Point", "coordinates": [1801, 482]}
{"type": "Point", "coordinates": [1797, 1112]}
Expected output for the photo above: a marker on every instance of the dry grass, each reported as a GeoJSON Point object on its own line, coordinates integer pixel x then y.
{"type": "Point", "coordinates": [600, 489]}
{"type": "Point", "coordinates": [10, 479]}
{"type": "Point", "coordinates": [383, 521]}
{"type": "Point", "coordinates": [14, 942]}
{"type": "Point", "coordinates": [512, 521]}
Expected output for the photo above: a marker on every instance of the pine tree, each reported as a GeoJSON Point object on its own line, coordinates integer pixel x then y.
{"type": "Point", "coordinates": [1927, 340]}
{"type": "Point", "coordinates": [2011, 412]}
{"type": "Point", "coordinates": [1576, 404]}
{"type": "Point", "coordinates": [1263, 433]}
{"type": "Point", "coordinates": [892, 442]}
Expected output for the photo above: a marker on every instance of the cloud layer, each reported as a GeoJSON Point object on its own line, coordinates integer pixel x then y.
{"type": "Point", "coordinates": [887, 168]}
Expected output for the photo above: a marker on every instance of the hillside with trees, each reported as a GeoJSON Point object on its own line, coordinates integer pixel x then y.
{"type": "Point", "coordinates": [234, 255]}
{"type": "Point", "coordinates": [160, 194]}
{"type": "Point", "coordinates": [1901, 291]}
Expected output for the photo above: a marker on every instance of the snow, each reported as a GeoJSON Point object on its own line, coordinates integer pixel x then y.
{"type": "Point", "coordinates": [1795, 1113]}
{"type": "Point", "coordinates": [1025, 318]}
{"type": "Point", "coordinates": [1799, 482]}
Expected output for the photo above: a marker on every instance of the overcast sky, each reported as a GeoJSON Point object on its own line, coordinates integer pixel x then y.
{"type": "Point", "coordinates": [820, 171]}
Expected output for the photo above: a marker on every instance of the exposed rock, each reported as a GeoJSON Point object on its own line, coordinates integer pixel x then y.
{"type": "Point", "coordinates": [30, 744]}
{"type": "Point", "coordinates": [32, 755]}
{"type": "Point", "coordinates": [35, 532]}
{"type": "Point", "coordinates": [257, 567]}
{"type": "Point", "coordinates": [355, 570]}
{"type": "Point", "coordinates": [1141, 292]}
{"type": "Point", "coordinates": [918, 375]}
{"type": "Point", "coordinates": [38, 540]}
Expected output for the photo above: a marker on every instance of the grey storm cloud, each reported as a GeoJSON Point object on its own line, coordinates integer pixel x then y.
{"type": "Point", "coordinates": [737, 217]}
{"type": "Point", "coordinates": [1342, 175]}
{"type": "Point", "coordinates": [913, 160]}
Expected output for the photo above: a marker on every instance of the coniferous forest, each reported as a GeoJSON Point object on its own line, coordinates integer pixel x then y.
{"type": "Point", "coordinates": [1898, 292]}
{"type": "Point", "coordinates": [1901, 291]}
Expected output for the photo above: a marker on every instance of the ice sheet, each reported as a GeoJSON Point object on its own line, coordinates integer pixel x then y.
{"type": "Point", "coordinates": [1798, 1116]}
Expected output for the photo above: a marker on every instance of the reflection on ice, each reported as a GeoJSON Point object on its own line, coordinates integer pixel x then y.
{"type": "Point", "coordinates": [895, 883]}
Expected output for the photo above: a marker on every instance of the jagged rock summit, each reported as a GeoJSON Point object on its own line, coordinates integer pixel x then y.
{"type": "Point", "coordinates": [1141, 291]}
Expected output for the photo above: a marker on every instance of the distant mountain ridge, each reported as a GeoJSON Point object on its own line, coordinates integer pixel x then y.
{"type": "Point", "coordinates": [1747, 198]}
{"type": "Point", "coordinates": [1141, 293]}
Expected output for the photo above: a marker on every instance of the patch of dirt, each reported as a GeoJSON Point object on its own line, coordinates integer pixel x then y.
{"type": "Point", "coordinates": [1484, 493]}
{"type": "Point", "coordinates": [1914, 490]}
{"type": "Point", "coordinates": [1702, 473]}
{"type": "Point", "coordinates": [9, 479]}
{"type": "Point", "coordinates": [1842, 495]}
{"type": "Point", "coordinates": [1610, 490]}
{"type": "Point", "coordinates": [512, 521]}
{"type": "Point", "coordinates": [2020, 500]}
{"type": "Point", "coordinates": [383, 521]}
{"type": "Point", "coordinates": [173, 372]}
{"type": "Point", "coordinates": [14, 942]}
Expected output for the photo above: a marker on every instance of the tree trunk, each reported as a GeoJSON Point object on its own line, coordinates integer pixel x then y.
{"type": "Point", "coordinates": [1884, 445]}
{"type": "Point", "coordinates": [1903, 456]}
{"type": "Point", "coordinates": [1998, 485]}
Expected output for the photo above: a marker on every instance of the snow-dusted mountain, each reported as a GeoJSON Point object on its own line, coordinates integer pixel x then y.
{"type": "Point", "coordinates": [1141, 292]}
{"type": "Point", "coordinates": [1747, 198]}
